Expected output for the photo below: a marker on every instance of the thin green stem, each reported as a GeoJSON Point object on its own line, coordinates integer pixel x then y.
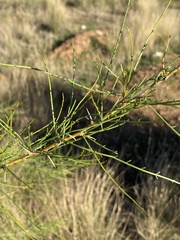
{"type": "Point", "coordinates": [150, 35]}
{"type": "Point", "coordinates": [56, 76]}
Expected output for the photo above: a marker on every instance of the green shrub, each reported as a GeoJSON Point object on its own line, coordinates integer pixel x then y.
{"type": "Point", "coordinates": [38, 163]}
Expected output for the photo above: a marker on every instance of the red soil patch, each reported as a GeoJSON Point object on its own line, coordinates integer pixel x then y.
{"type": "Point", "coordinates": [82, 42]}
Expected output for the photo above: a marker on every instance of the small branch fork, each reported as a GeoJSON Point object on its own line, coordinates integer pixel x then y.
{"type": "Point", "coordinates": [55, 144]}
{"type": "Point", "coordinates": [44, 150]}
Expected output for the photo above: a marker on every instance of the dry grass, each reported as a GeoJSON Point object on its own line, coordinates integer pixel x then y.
{"type": "Point", "coordinates": [163, 204]}
{"type": "Point", "coordinates": [140, 22]}
{"type": "Point", "coordinates": [40, 24]}
{"type": "Point", "coordinates": [86, 206]}
{"type": "Point", "coordinates": [89, 206]}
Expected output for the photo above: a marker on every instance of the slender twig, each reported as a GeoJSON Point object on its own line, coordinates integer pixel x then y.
{"type": "Point", "coordinates": [150, 35]}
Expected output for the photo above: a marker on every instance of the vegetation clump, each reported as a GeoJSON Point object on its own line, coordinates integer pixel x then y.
{"type": "Point", "coordinates": [87, 139]}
